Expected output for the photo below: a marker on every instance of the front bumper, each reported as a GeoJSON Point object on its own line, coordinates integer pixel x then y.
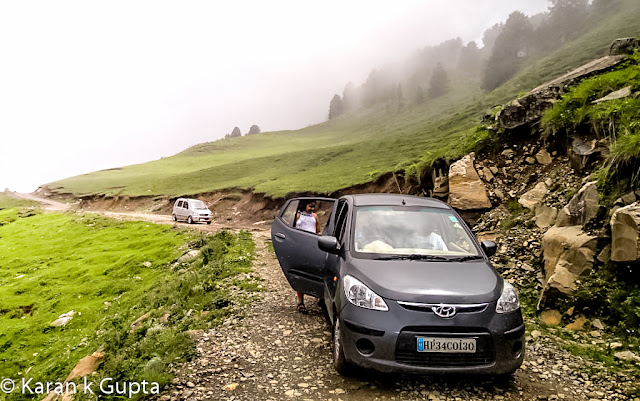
{"type": "Point", "coordinates": [387, 341]}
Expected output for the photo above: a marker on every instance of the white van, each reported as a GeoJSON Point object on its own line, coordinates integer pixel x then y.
{"type": "Point", "coordinates": [191, 211]}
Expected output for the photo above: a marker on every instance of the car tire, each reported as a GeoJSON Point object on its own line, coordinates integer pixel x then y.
{"type": "Point", "coordinates": [340, 363]}
{"type": "Point", "coordinates": [173, 216]}
{"type": "Point", "coordinates": [208, 222]}
{"type": "Point", "coordinates": [189, 220]}
{"type": "Point", "coordinates": [504, 378]}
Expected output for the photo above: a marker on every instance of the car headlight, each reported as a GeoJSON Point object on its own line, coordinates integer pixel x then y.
{"type": "Point", "coordinates": [508, 301]}
{"type": "Point", "coordinates": [362, 296]}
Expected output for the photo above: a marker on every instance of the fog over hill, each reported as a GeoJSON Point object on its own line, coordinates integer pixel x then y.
{"type": "Point", "coordinates": [88, 87]}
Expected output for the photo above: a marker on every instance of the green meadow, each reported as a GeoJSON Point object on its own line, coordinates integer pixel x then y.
{"type": "Point", "coordinates": [8, 201]}
{"type": "Point", "coordinates": [355, 148]}
{"type": "Point", "coordinates": [109, 273]}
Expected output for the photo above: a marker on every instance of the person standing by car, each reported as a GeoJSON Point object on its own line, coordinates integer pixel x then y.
{"type": "Point", "coordinates": [307, 220]}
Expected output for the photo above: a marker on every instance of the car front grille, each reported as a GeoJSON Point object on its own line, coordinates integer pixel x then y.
{"type": "Point", "coordinates": [407, 353]}
{"type": "Point", "coordinates": [421, 307]}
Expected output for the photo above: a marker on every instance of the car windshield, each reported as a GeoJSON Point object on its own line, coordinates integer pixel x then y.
{"type": "Point", "coordinates": [198, 205]}
{"type": "Point", "coordinates": [414, 232]}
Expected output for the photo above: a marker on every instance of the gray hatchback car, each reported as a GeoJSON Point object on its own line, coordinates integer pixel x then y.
{"type": "Point", "coordinates": [406, 285]}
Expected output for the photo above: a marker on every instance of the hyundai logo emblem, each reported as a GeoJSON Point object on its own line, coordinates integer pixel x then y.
{"type": "Point", "coordinates": [444, 310]}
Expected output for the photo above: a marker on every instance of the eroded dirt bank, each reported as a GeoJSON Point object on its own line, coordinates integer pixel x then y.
{"type": "Point", "coordinates": [234, 207]}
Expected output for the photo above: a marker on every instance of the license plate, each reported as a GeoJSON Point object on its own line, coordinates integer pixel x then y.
{"type": "Point", "coordinates": [449, 345]}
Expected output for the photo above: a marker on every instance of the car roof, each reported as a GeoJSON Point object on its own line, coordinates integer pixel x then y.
{"type": "Point", "coordinates": [396, 200]}
{"type": "Point", "coordinates": [186, 199]}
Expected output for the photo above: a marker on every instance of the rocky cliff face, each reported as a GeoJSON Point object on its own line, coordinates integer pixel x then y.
{"type": "Point", "coordinates": [539, 199]}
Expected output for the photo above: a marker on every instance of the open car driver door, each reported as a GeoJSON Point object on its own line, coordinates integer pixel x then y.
{"type": "Point", "coordinates": [301, 260]}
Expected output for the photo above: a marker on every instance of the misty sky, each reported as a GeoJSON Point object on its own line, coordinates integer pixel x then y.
{"type": "Point", "coordinates": [88, 85]}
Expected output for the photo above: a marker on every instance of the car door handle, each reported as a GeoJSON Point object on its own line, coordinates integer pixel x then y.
{"type": "Point", "coordinates": [280, 236]}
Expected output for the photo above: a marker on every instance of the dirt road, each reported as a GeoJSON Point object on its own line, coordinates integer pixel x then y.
{"type": "Point", "coordinates": [48, 204]}
{"type": "Point", "coordinates": [273, 352]}
{"type": "Point", "coordinates": [276, 353]}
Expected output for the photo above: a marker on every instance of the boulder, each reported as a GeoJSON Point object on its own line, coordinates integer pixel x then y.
{"type": "Point", "coordinates": [488, 236]}
{"type": "Point", "coordinates": [581, 208]}
{"type": "Point", "coordinates": [63, 319]}
{"type": "Point", "coordinates": [551, 317]}
{"type": "Point", "coordinates": [619, 94]}
{"type": "Point", "coordinates": [624, 46]}
{"type": "Point", "coordinates": [534, 197]}
{"type": "Point", "coordinates": [583, 152]}
{"type": "Point", "coordinates": [625, 234]}
{"type": "Point", "coordinates": [545, 216]}
{"type": "Point", "coordinates": [488, 175]}
{"type": "Point", "coordinates": [508, 153]}
{"type": "Point", "coordinates": [626, 199]}
{"type": "Point", "coordinates": [440, 186]}
{"type": "Point", "coordinates": [466, 189]}
{"type": "Point", "coordinates": [569, 248]}
{"type": "Point", "coordinates": [568, 252]}
{"type": "Point", "coordinates": [500, 194]}
{"type": "Point", "coordinates": [577, 324]}
{"type": "Point", "coordinates": [529, 108]}
{"type": "Point", "coordinates": [543, 157]}
{"type": "Point", "coordinates": [139, 320]}
{"type": "Point", "coordinates": [86, 366]}
{"type": "Point", "coordinates": [192, 254]}
{"type": "Point", "coordinates": [597, 323]}
{"type": "Point", "coordinates": [627, 356]}
{"type": "Point", "coordinates": [605, 255]}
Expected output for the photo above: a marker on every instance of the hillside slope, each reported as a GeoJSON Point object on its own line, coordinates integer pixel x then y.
{"type": "Point", "coordinates": [349, 150]}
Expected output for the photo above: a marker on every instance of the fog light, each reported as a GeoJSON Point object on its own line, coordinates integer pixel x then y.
{"type": "Point", "coordinates": [517, 349]}
{"type": "Point", "coordinates": [365, 347]}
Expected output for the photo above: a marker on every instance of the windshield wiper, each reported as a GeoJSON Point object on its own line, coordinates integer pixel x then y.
{"type": "Point", "coordinates": [465, 258]}
{"type": "Point", "coordinates": [414, 256]}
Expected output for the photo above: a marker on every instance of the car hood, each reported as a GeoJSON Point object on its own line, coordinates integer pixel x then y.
{"type": "Point", "coordinates": [429, 281]}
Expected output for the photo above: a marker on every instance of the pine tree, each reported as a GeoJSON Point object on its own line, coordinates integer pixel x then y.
{"type": "Point", "coordinates": [254, 130]}
{"type": "Point", "coordinates": [439, 83]}
{"type": "Point", "coordinates": [235, 133]}
{"type": "Point", "coordinates": [511, 47]}
{"type": "Point", "coordinates": [336, 107]}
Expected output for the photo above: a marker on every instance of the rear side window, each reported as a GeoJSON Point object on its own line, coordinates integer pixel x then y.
{"type": "Point", "coordinates": [179, 204]}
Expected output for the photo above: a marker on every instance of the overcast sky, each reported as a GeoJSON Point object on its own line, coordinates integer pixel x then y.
{"type": "Point", "coordinates": [87, 85]}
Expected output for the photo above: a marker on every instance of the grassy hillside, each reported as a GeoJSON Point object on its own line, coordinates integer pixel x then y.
{"type": "Point", "coordinates": [352, 149]}
{"type": "Point", "coordinates": [8, 201]}
{"type": "Point", "coordinates": [53, 264]}
{"type": "Point", "coordinates": [109, 273]}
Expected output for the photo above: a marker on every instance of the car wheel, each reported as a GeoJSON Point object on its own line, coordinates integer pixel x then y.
{"type": "Point", "coordinates": [208, 222]}
{"type": "Point", "coordinates": [173, 216]}
{"type": "Point", "coordinates": [189, 220]}
{"type": "Point", "coordinates": [340, 364]}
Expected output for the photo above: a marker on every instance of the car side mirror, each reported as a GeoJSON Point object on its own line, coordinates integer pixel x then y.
{"type": "Point", "coordinates": [328, 244]}
{"type": "Point", "coordinates": [489, 248]}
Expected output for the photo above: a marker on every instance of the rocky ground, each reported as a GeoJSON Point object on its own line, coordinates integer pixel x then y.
{"type": "Point", "coordinates": [273, 352]}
